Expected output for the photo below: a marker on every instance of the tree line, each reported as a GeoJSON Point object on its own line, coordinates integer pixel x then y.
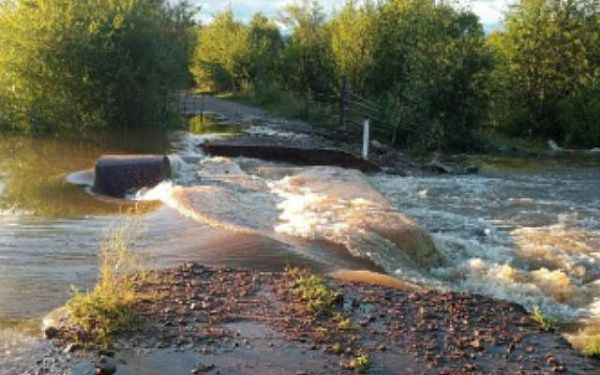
{"type": "Point", "coordinates": [437, 80]}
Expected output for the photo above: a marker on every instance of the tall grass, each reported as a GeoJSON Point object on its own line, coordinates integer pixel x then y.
{"type": "Point", "coordinates": [108, 308]}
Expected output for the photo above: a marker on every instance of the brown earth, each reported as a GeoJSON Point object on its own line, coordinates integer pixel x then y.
{"type": "Point", "coordinates": [241, 322]}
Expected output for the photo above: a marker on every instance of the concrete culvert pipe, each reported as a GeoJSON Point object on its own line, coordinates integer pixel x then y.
{"type": "Point", "coordinates": [119, 175]}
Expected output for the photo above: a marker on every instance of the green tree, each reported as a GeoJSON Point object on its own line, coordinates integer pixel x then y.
{"type": "Point", "coordinates": [219, 56]}
{"type": "Point", "coordinates": [352, 42]}
{"type": "Point", "coordinates": [265, 45]}
{"type": "Point", "coordinates": [307, 61]}
{"type": "Point", "coordinates": [429, 66]}
{"type": "Point", "coordinates": [579, 117]}
{"type": "Point", "coordinates": [548, 53]}
{"type": "Point", "coordinates": [72, 65]}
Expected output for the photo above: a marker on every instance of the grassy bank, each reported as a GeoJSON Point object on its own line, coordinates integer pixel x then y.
{"type": "Point", "coordinates": [108, 308]}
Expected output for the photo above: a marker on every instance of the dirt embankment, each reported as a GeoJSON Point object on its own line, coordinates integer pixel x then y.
{"type": "Point", "coordinates": [267, 129]}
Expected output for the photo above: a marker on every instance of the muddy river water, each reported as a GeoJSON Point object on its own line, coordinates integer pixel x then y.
{"type": "Point", "coordinates": [521, 230]}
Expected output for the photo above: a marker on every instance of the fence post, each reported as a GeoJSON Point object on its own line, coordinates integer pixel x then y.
{"type": "Point", "coordinates": [344, 101]}
{"type": "Point", "coordinates": [366, 136]}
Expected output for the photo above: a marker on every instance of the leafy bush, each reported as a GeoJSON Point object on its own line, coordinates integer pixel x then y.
{"type": "Point", "coordinates": [272, 97]}
{"type": "Point", "coordinates": [429, 59]}
{"type": "Point", "coordinates": [77, 65]}
{"type": "Point", "coordinates": [580, 118]}
{"type": "Point", "coordinates": [535, 90]}
{"type": "Point", "coordinates": [230, 55]}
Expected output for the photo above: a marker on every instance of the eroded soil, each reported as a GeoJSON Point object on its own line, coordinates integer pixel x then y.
{"type": "Point", "coordinates": [202, 320]}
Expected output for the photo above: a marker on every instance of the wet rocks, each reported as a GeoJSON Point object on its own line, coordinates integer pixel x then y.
{"type": "Point", "coordinates": [53, 321]}
{"type": "Point", "coordinates": [202, 368]}
{"type": "Point", "coordinates": [50, 333]}
{"type": "Point", "coordinates": [427, 331]}
{"type": "Point", "coordinates": [105, 366]}
{"type": "Point", "coordinates": [72, 347]}
{"type": "Point", "coordinates": [437, 167]}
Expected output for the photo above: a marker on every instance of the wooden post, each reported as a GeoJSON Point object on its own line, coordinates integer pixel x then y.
{"type": "Point", "coordinates": [344, 101]}
{"type": "Point", "coordinates": [366, 136]}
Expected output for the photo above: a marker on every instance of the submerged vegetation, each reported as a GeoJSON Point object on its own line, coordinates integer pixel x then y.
{"type": "Point", "coordinates": [108, 308]}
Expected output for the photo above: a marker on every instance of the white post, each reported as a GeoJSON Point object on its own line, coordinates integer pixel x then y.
{"type": "Point", "coordinates": [366, 134]}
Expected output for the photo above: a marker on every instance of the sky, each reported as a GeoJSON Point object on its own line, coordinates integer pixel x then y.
{"type": "Point", "coordinates": [489, 11]}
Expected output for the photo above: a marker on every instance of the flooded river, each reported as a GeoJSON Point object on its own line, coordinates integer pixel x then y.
{"type": "Point", "coordinates": [526, 231]}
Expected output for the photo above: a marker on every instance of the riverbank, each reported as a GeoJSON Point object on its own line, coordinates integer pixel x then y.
{"type": "Point", "coordinates": [230, 321]}
{"type": "Point", "coordinates": [290, 131]}
{"type": "Point", "coordinates": [266, 128]}
{"type": "Point", "coordinates": [474, 244]}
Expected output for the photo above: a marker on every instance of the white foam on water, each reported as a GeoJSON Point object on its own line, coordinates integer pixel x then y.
{"type": "Point", "coordinates": [269, 131]}
{"type": "Point", "coordinates": [340, 206]}
{"type": "Point", "coordinates": [183, 169]}
{"type": "Point", "coordinates": [161, 192]}
{"type": "Point", "coordinates": [317, 203]}
{"type": "Point", "coordinates": [530, 240]}
{"type": "Point", "coordinates": [17, 349]}
{"type": "Point", "coordinates": [497, 237]}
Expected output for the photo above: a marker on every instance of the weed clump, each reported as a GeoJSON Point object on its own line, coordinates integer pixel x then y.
{"type": "Point", "coordinates": [312, 289]}
{"type": "Point", "coordinates": [592, 348]}
{"type": "Point", "coordinates": [108, 308]}
{"type": "Point", "coordinates": [359, 363]}
{"type": "Point", "coordinates": [547, 323]}
{"type": "Point", "coordinates": [343, 322]}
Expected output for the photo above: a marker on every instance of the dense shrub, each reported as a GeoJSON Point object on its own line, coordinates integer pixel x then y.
{"type": "Point", "coordinates": [70, 65]}
{"type": "Point", "coordinates": [579, 118]}
{"type": "Point", "coordinates": [423, 63]}
{"type": "Point", "coordinates": [547, 58]}
{"type": "Point", "coordinates": [434, 76]}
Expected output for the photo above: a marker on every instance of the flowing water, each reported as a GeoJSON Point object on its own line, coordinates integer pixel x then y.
{"type": "Point", "coordinates": [528, 232]}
